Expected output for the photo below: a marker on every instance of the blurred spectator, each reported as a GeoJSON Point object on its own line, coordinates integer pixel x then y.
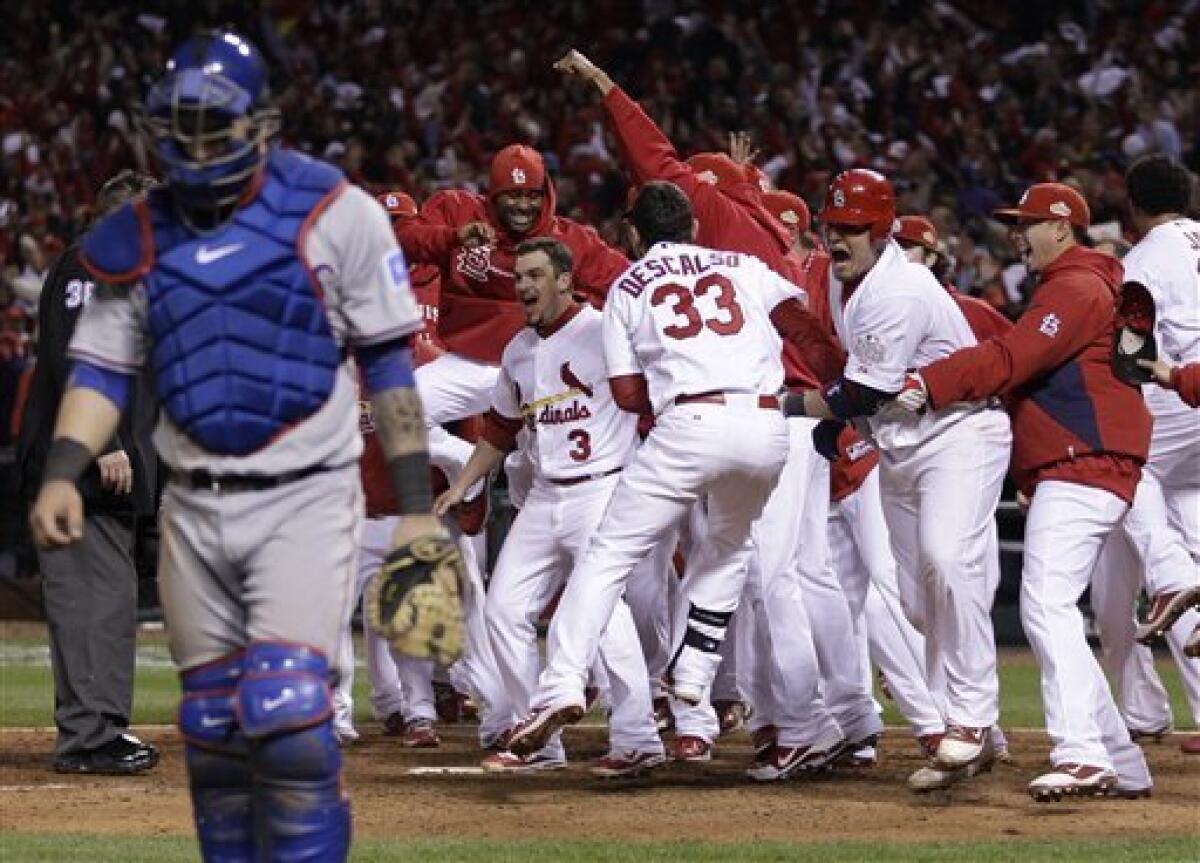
{"type": "Point", "coordinates": [963, 103]}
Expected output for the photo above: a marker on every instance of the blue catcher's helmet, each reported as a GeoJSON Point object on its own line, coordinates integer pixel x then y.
{"type": "Point", "coordinates": [208, 120]}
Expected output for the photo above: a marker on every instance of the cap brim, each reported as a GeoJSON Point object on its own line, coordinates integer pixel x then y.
{"type": "Point", "coordinates": [1009, 215]}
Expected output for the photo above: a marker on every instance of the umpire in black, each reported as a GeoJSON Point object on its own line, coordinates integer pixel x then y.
{"type": "Point", "coordinates": [90, 587]}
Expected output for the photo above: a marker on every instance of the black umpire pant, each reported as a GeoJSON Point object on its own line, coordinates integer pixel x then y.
{"type": "Point", "coordinates": [90, 593]}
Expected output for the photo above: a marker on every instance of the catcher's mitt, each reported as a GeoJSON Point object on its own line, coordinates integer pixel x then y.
{"type": "Point", "coordinates": [1133, 338]}
{"type": "Point", "coordinates": [414, 599]}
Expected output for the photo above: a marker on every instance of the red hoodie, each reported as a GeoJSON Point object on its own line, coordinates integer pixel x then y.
{"type": "Point", "coordinates": [1073, 419]}
{"type": "Point", "coordinates": [731, 217]}
{"type": "Point", "coordinates": [478, 311]}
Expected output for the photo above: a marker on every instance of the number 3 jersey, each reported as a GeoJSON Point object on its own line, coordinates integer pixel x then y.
{"type": "Point", "coordinates": [695, 320]}
{"type": "Point", "coordinates": [557, 385]}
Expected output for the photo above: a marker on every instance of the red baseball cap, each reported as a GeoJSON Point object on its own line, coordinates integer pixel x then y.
{"type": "Point", "coordinates": [517, 167]}
{"type": "Point", "coordinates": [398, 204]}
{"type": "Point", "coordinates": [1048, 201]}
{"type": "Point", "coordinates": [789, 209]}
{"type": "Point", "coordinates": [918, 230]}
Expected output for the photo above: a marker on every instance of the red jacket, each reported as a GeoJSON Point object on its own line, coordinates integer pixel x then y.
{"type": "Point", "coordinates": [984, 320]}
{"type": "Point", "coordinates": [1185, 380]}
{"type": "Point", "coordinates": [1073, 419]}
{"type": "Point", "coordinates": [732, 218]}
{"type": "Point", "coordinates": [478, 311]}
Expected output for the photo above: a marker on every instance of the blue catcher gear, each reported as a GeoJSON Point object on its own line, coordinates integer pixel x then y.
{"type": "Point", "coordinates": [218, 761]}
{"type": "Point", "coordinates": [285, 707]}
{"type": "Point", "coordinates": [208, 120]}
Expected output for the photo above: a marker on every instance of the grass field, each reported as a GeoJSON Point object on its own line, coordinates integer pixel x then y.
{"type": "Point", "coordinates": [26, 701]}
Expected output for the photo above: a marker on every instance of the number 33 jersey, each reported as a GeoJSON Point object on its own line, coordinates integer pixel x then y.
{"type": "Point", "coordinates": [557, 385]}
{"type": "Point", "coordinates": [695, 320]}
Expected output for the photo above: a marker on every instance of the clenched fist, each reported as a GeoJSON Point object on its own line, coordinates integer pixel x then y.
{"type": "Point", "coordinates": [57, 515]}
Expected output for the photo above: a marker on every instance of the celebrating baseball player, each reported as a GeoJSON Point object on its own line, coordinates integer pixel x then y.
{"type": "Point", "coordinates": [1081, 437]}
{"type": "Point", "coordinates": [243, 283]}
{"type": "Point", "coordinates": [940, 472]}
{"type": "Point", "coordinates": [690, 334]}
{"type": "Point", "coordinates": [553, 381]}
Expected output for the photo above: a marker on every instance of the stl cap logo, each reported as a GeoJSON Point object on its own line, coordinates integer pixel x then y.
{"type": "Point", "coordinates": [709, 177]}
{"type": "Point", "coordinates": [789, 217]}
{"type": "Point", "coordinates": [391, 201]}
{"type": "Point", "coordinates": [1021, 203]}
{"type": "Point", "coordinates": [839, 198]}
{"type": "Point", "coordinates": [1060, 208]}
{"type": "Point", "coordinates": [1050, 324]}
{"type": "Point", "coordinates": [929, 237]}
{"type": "Point", "coordinates": [518, 176]}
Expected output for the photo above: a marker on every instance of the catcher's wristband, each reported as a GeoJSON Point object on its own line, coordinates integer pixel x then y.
{"type": "Point", "coordinates": [67, 459]}
{"type": "Point", "coordinates": [410, 479]}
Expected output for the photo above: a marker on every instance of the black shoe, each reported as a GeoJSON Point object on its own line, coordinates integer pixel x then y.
{"type": "Point", "coordinates": [121, 756]}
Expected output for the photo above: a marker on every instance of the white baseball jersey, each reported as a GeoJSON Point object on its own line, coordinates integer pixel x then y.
{"type": "Point", "coordinates": [352, 250]}
{"type": "Point", "coordinates": [558, 386]}
{"type": "Point", "coordinates": [1167, 263]}
{"type": "Point", "coordinates": [695, 320]}
{"type": "Point", "coordinates": [899, 319]}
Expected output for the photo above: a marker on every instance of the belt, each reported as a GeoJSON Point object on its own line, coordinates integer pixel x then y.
{"type": "Point", "coordinates": [576, 480]}
{"type": "Point", "coordinates": [716, 397]}
{"type": "Point", "coordinates": [233, 483]}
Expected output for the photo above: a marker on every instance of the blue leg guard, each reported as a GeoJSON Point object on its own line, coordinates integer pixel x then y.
{"type": "Point", "coordinates": [285, 709]}
{"type": "Point", "coordinates": [218, 762]}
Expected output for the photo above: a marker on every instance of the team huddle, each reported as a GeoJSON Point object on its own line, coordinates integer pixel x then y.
{"type": "Point", "coordinates": [750, 462]}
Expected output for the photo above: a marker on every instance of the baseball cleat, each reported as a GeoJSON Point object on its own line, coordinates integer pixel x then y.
{"type": "Point", "coordinates": [689, 747]}
{"type": "Point", "coordinates": [535, 731]}
{"type": "Point", "coordinates": [962, 745]}
{"type": "Point", "coordinates": [664, 720]}
{"type": "Point", "coordinates": [515, 765]}
{"type": "Point", "coordinates": [934, 778]}
{"type": "Point", "coordinates": [763, 740]}
{"type": "Point", "coordinates": [1165, 609]}
{"type": "Point", "coordinates": [420, 734]}
{"type": "Point", "coordinates": [1130, 793]}
{"type": "Point", "coordinates": [1073, 780]}
{"type": "Point", "coordinates": [346, 735]}
{"type": "Point", "coordinates": [626, 765]}
{"type": "Point", "coordinates": [788, 761]}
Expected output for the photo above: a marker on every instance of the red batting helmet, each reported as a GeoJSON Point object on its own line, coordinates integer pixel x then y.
{"type": "Point", "coordinates": [517, 167]}
{"type": "Point", "coordinates": [398, 204]}
{"type": "Point", "coordinates": [717, 168]}
{"type": "Point", "coordinates": [789, 209]}
{"type": "Point", "coordinates": [860, 197]}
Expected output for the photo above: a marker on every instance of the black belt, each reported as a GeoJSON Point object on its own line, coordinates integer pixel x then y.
{"type": "Point", "coordinates": [233, 483]}
{"type": "Point", "coordinates": [576, 480]}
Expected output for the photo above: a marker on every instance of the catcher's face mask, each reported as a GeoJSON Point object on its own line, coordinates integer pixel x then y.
{"type": "Point", "coordinates": [1133, 339]}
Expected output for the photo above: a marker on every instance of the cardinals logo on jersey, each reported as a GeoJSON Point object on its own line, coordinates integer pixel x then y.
{"type": "Point", "coordinates": [474, 263]}
{"type": "Point", "coordinates": [569, 378]}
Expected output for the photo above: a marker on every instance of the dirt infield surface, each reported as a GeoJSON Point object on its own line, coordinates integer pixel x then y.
{"type": "Point", "coordinates": [678, 802]}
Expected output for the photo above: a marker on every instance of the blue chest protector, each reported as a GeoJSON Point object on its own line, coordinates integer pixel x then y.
{"type": "Point", "coordinates": [241, 344]}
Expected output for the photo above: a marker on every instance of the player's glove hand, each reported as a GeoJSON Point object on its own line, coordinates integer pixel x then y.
{"type": "Point", "coordinates": [825, 438]}
{"type": "Point", "coordinates": [913, 397]}
{"type": "Point", "coordinates": [414, 600]}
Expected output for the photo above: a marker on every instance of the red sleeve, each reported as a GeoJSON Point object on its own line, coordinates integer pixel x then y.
{"type": "Point", "coordinates": [645, 150]}
{"type": "Point", "coordinates": [597, 266]}
{"type": "Point", "coordinates": [432, 236]}
{"type": "Point", "coordinates": [500, 431]}
{"type": "Point", "coordinates": [1062, 320]}
{"type": "Point", "coordinates": [1185, 380]}
{"type": "Point", "coordinates": [985, 322]}
{"type": "Point", "coordinates": [631, 394]}
{"type": "Point", "coordinates": [810, 338]}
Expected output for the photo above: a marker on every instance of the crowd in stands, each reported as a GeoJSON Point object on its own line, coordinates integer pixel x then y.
{"type": "Point", "coordinates": [961, 104]}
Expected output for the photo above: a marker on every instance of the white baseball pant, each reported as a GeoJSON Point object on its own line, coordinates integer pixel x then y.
{"type": "Point", "coordinates": [861, 551]}
{"type": "Point", "coordinates": [939, 500]}
{"type": "Point", "coordinates": [781, 671]}
{"type": "Point", "coordinates": [731, 455]}
{"type": "Point", "coordinates": [1065, 529]}
{"type": "Point", "coordinates": [543, 545]}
